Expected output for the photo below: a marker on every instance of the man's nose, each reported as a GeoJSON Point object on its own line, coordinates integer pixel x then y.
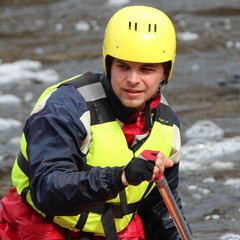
{"type": "Point", "coordinates": [133, 77]}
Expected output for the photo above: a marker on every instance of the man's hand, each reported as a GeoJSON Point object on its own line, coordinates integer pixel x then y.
{"type": "Point", "coordinates": [146, 167]}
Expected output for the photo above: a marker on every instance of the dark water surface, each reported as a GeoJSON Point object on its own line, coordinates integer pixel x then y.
{"type": "Point", "coordinates": [67, 35]}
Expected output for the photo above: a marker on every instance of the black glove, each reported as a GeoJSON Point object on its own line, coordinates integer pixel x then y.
{"type": "Point", "coordinates": [138, 170]}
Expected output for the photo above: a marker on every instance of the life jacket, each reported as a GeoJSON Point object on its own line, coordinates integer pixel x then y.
{"type": "Point", "coordinates": [107, 147]}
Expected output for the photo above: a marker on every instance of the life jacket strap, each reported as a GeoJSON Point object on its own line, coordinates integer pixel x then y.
{"type": "Point", "coordinates": [109, 225]}
{"type": "Point", "coordinates": [23, 164]}
{"type": "Point", "coordinates": [82, 80]}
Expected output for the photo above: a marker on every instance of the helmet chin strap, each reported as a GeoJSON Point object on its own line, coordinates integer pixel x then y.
{"type": "Point", "coordinates": [148, 117]}
{"type": "Point", "coordinates": [162, 84]}
{"type": "Point", "coordinates": [160, 88]}
{"type": "Point", "coordinates": [147, 110]}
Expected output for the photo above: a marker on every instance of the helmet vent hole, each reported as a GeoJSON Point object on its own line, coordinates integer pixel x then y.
{"type": "Point", "coordinates": [150, 27]}
{"type": "Point", "coordinates": [130, 26]}
{"type": "Point", "coordinates": [135, 26]}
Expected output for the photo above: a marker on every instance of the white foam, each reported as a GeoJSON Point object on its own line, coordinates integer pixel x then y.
{"type": "Point", "coordinates": [9, 99]}
{"type": "Point", "coordinates": [25, 71]}
{"type": "Point", "coordinates": [217, 165]}
{"type": "Point", "coordinates": [28, 97]}
{"type": "Point", "coordinates": [59, 26]}
{"type": "Point", "coordinates": [207, 144]}
{"type": "Point", "coordinates": [82, 26]}
{"type": "Point", "coordinates": [213, 217]}
{"type": "Point", "coordinates": [15, 140]}
{"type": "Point", "coordinates": [187, 36]}
{"type": "Point", "coordinates": [195, 67]}
{"type": "Point", "coordinates": [200, 154]}
{"type": "Point", "coordinates": [117, 2]}
{"type": "Point", "coordinates": [204, 191]}
{"type": "Point", "coordinates": [192, 187]}
{"type": "Point", "coordinates": [197, 196]}
{"type": "Point", "coordinates": [203, 150]}
{"type": "Point", "coordinates": [208, 25]}
{"type": "Point", "coordinates": [232, 44]}
{"type": "Point", "coordinates": [189, 166]}
{"type": "Point", "coordinates": [205, 129]}
{"type": "Point", "coordinates": [198, 192]}
{"type": "Point", "coordinates": [233, 182]}
{"type": "Point", "coordinates": [95, 26]}
{"type": "Point", "coordinates": [230, 236]}
{"type": "Point", "coordinates": [8, 123]}
{"type": "Point", "coordinates": [209, 180]}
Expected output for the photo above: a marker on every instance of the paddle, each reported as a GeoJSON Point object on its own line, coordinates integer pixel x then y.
{"type": "Point", "coordinates": [169, 200]}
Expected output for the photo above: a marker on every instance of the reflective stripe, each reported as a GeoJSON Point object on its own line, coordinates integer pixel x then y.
{"type": "Point", "coordinates": [92, 92]}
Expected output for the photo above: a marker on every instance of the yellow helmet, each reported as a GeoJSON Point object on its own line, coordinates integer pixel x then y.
{"type": "Point", "coordinates": [140, 34]}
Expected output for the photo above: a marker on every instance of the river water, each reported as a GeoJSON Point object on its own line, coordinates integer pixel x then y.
{"type": "Point", "coordinates": [44, 41]}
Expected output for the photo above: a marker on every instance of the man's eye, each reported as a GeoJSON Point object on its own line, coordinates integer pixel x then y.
{"type": "Point", "coordinates": [122, 66]}
{"type": "Point", "coordinates": [145, 69]}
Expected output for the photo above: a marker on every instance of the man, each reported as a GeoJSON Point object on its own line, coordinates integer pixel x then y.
{"type": "Point", "coordinates": [79, 174]}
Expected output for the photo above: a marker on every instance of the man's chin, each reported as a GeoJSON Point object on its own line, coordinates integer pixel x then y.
{"type": "Point", "coordinates": [133, 107]}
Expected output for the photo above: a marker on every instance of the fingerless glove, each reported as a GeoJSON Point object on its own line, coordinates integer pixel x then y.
{"type": "Point", "coordinates": [138, 170]}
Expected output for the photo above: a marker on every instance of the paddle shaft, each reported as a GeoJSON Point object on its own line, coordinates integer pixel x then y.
{"type": "Point", "coordinates": [173, 208]}
{"type": "Point", "coordinates": [168, 198]}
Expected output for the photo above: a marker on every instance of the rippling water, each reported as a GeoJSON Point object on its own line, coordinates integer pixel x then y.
{"type": "Point", "coordinates": [63, 38]}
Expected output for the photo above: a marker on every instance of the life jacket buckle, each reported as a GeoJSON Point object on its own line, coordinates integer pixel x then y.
{"type": "Point", "coordinates": [117, 211]}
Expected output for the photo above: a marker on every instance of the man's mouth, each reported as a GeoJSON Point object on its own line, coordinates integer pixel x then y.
{"type": "Point", "coordinates": [132, 91]}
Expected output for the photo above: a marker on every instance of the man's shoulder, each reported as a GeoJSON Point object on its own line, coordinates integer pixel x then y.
{"type": "Point", "coordinates": [81, 80]}
{"type": "Point", "coordinates": [167, 111]}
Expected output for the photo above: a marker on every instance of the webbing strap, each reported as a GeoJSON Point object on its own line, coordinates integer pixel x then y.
{"type": "Point", "coordinates": [85, 79]}
{"type": "Point", "coordinates": [82, 220]}
{"type": "Point", "coordinates": [23, 164]}
{"type": "Point", "coordinates": [144, 195]}
{"type": "Point", "coordinates": [108, 217]}
{"type": "Point", "coordinates": [86, 236]}
{"type": "Point", "coordinates": [24, 192]}
{"type": "Point", "coordinates": [118, 211]}
{"type": "Point", "coordinates": [109, 225]}
{"type": "Point", "coordinates": [123, 202]}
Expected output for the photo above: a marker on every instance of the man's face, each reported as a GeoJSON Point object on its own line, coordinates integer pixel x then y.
{"type": "Point", "coordinates": [135, 83]}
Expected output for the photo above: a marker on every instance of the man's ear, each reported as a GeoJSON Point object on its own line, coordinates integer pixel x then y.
{"type": "Point", "coordinates": [109, 60]}
{"type": "Point", "coordinates": [162, 84]}
{"type": "Point", "coordinates": [164, 81]}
